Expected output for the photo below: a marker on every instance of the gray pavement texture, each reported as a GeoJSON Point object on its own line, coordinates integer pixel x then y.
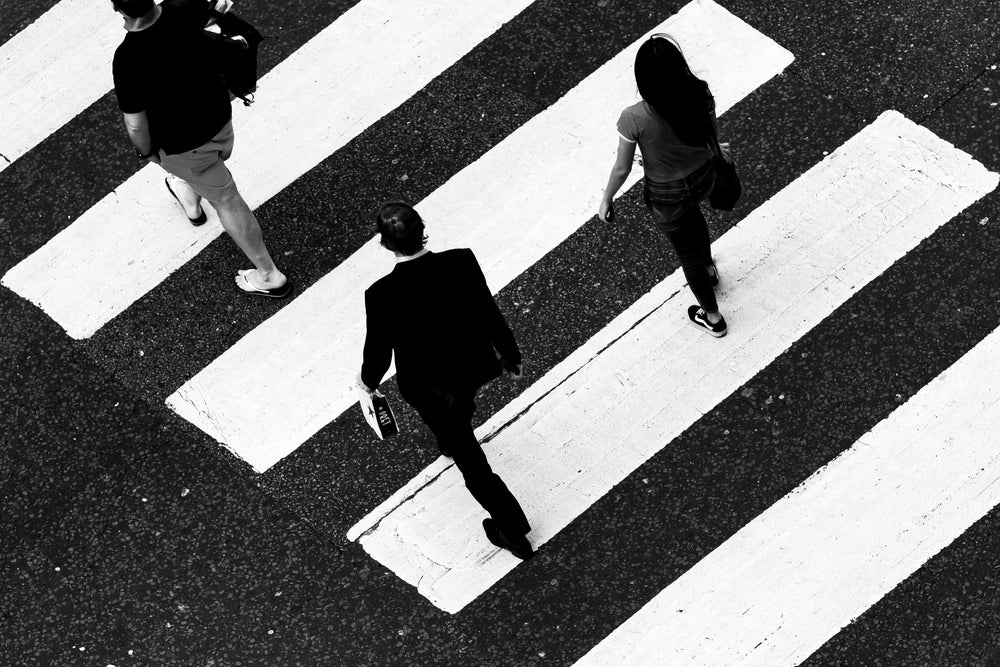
{"type": "Point", "coordinates": [131, 538]}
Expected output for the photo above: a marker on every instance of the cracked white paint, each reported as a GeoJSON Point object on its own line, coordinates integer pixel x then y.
{"type": "Point", "coordinates": [531, 191]}
{"type": "Point", "coordinates": [784, 268]}
{"type": "Point", "coordinates": [818, 558]}
{"type": "Point", "coordinates": [308, 107]}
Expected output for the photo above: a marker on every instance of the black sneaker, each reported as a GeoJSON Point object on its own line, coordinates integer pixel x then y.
{"type": "Point", "coordinates": [698, 318]}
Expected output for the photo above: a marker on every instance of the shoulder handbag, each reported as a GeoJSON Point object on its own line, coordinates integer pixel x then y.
{"type": "Point", "coordinates": [727, 189]}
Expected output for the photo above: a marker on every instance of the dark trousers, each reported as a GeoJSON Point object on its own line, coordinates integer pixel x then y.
{"type": "Point", "coordinates": [674, 207]}
{"type": "Point", "coordinates": [689, 236]}
{"type": "Point", "coordinates": [448, 414]}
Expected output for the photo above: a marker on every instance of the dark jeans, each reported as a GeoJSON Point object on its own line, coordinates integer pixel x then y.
{"type": "Point", "coordinates": [675, 209]}
{"type": "Point", "coordinates": [449, 416]}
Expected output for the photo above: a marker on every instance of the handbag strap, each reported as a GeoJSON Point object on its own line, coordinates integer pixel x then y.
{"type": "Point", "coordinates": [713, 140]}
{"type": "Point", "coordinates": [714, 145]}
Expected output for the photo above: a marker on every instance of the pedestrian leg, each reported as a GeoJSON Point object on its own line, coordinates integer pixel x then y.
{"type": "Point", "coordinates": [189, 199]}
{"type": "Point", "coordinates": [242, 226]}
{"type": "Point", "coordinates": [452, 427]}
{"type": "Point", "coordinates": [689, 236]}
{"type": "Point", "coordinates": [704, 239]}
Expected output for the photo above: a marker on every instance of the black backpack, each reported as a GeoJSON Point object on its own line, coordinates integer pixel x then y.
{"type": "Point", "coordinates": [234, 53]}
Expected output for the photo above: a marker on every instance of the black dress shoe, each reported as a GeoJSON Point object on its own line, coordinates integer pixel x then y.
{"type": "Point", "coordinates": [520, 546]}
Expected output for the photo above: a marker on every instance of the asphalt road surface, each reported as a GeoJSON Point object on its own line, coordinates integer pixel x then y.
{"type": "Point", "coordinates": [728, 483]}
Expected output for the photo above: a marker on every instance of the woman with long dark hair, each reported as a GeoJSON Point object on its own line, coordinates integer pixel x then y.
{"type": "Point", "coordinates": [674, 126]}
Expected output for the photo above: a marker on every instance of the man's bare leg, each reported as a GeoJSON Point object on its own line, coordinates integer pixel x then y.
{"type": "Point", "coordinates": [189, 199]}
{"type": "Point", "coordinates": [242, 226]}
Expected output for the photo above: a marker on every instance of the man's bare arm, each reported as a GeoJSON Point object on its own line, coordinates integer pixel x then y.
{"type": "Point", "coordinates": [137, 125]}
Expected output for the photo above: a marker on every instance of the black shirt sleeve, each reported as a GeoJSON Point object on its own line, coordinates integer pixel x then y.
{"type": "Point", "coordinates": [499, 332]}
{"type": "Point", "coordinates": [378, 348]}
{"type": "Point", "coordinates": [128, 82]}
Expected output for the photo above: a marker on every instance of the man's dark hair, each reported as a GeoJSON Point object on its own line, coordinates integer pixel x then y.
{"type": "Point", "coordinates": [134, 8]}
{"type": "Point", "coordinates": [401, 227]}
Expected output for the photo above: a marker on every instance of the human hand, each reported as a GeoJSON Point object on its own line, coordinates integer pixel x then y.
{"type": "Point", "coordinates": [513, 371]}
{"type": "Point", "coordinates": [724, 149]}
{"type": "Point", "coordinates": [606, 211]}
{"type": "Point", "coordinates": [363, 387]}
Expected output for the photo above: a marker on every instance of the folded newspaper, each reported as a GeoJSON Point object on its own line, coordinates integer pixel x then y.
{"type": "Point", "coordinates": [378, 414]}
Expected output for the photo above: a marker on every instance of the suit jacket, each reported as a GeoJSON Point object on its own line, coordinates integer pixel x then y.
{"type": "Point", "coordinates": [438, 316]}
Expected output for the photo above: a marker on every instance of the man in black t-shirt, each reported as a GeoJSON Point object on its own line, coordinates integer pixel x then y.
{"type": "Point", "coordinates": [178, 114]}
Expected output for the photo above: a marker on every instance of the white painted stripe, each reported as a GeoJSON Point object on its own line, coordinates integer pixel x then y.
{"type": "Point", "coordinates": [308, 107]}
{"type": "Point", "coordinates": [649, 375]}
{"type": "Point", "coordinates": [511, 207]}
{"type": "Point", "coordinates": [819, 557]}
{"type": "Point", "coordinates": [54, 69]}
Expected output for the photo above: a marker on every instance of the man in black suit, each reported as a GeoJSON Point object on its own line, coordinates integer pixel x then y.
{"type": "Point", "coordinates": [436, 313]}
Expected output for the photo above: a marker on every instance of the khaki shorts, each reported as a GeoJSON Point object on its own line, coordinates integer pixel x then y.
{"type": "Point", "coordinates": [204, 168]}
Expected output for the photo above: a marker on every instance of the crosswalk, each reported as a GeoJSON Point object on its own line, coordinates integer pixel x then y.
{"type": "Point", "coordinates": [640, 382]}
{"type": "Point", "coordinates": [274, 150]}
{"type": "Point", "coordinates": [53, 70]}
{"type": "Point", "coordinates": [787, 581]}
{"type": "Point", "coordinates": [623, 395]}
{"type": "Point", "coordinates": [534, 189]}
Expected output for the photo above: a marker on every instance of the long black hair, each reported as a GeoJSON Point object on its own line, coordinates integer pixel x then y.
{"type": "Point", "coordinates": [665, 81]}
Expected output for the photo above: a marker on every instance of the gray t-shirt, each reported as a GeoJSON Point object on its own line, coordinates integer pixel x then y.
{"type": "Point", "coordinates": [664, 156]}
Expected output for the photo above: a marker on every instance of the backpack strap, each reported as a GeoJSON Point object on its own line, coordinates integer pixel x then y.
{"type": "Point", "coordinates": [713, 143]}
